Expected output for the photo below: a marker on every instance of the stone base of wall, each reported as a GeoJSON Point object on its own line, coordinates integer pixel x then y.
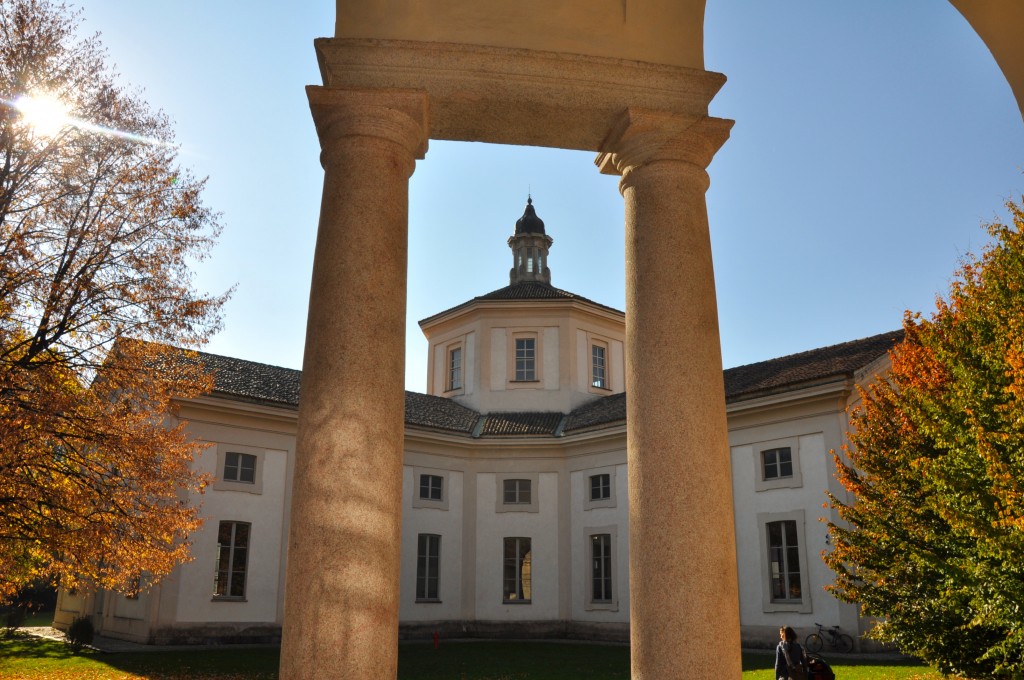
{"type": "Point", "coordinates": [217, 634]}
{"type": "Point", "coordinates": [515, 630]}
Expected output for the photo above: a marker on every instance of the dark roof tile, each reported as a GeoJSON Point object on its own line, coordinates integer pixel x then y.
{"type": "Point", "coordinates": [520, 424]}
{"type": "Point", "coordinates": [529, 290]}
{"type": "Point", "coordinates": [257, 382]}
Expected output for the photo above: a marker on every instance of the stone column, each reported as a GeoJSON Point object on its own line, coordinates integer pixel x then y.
{"type": "Point", "coordinates": [684, 596]}
{"type": "Point", "coordinates": [341, 593]}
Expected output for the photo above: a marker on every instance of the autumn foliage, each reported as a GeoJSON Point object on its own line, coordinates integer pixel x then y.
{"type": "Point", "coordinates": [98, 228]}
{"type": "Point", "coordinates": [934, 540]}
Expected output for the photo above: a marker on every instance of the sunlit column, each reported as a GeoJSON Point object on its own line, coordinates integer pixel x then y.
{"type": "Point", "coordinates": [684, 601]}
{"type": "Point", "coordinates": [341, 595]}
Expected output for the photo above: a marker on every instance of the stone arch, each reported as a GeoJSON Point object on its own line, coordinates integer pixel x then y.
{"type": "Point", "coordinates": [624, 78]}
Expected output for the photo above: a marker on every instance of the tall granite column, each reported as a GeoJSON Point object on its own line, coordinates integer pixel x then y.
{"type": "Point", "coordinates": [684, 598]}
{"type": "Point", "coordinates": [341, 594]}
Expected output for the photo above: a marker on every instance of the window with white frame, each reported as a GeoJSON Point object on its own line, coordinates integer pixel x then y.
{"type": "Point", "coordinates": [599, 365]}
{"type": "Point", "coordinates": [526, 359]}
{"type": "Point", "coordinates": [428, 567]}
{"type": "Point", "coordinates": [783, 545]}
{"type": "Point", "coordinates": [431, 487]}
{"type": "Point", "coordinates": [232, 560]}
{"type": "Point", "coordinates": [517, 492]}
{"type": "Point", "coordinates": [777, 464]}
{"type": "Point", "coordinates": [601, 568]}
{"type": "Point", "coordinates": [517, 575]}
{"type": "Point", "coordinates": [599, 488]}
{"type": "Point", "coordinates": [240, 467]}
{"type": "Point", "coordinates": [455, 368]}
{"type": "Point", "coordinates": [784, 561]}
{"type": "Point", "coordinates": [600, 590]}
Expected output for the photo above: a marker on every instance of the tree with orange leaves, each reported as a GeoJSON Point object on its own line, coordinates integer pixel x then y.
{"type": "Point", "coordinates": [98, 227]}
{"type": "Point", "coordinates": [933, 541]}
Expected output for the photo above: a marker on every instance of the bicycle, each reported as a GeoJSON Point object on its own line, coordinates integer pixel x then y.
{"type": "Point", "coordinates": [838, 640]}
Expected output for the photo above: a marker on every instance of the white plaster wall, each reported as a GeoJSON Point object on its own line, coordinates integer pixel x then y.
{"type": "Point", "coordinates": [582, 361]}
{"type": "Point", "coordinates": [124, 608]}
{"type": "Point", "coordinates": [541, 527]}
{"type": "Point", "coordinates": [815, 466]}
{"type": "Point", "coordinates": [448, 525]}
{"type": "Point", "coordinates": [499, 359]}
{"type": "Point", "coordinates": [469, 364]}
{"type": "Point", "coordinates": [265, 512]}
{"type": "Point", "coordinates": [618, 367]}
{"type": "Point", "coordinates": [551, 359]}
{"type": "Point", "coordinates": [582, 521]}
{"type": "Point", "coordinates": [439, 365]}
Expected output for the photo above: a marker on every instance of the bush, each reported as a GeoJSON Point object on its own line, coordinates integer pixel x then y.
{"type": "Point", "coordinates": [13, 617]}
{"type": "Point", "coordinates": [81, 632]}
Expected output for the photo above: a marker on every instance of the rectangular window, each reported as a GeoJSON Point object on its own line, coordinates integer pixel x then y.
{"type": "Point", "coordinates": [599, 366]}
{"type": "Point", "coordinates": [777, 463]}
{"type": "Point", "coordinates": [232, 559]}
{"type": "Point", "coordinates": [516, 492]}
{"type": "Point", "coordinates": [529, 260]}
{"type": "Point", "coordinates": [428, 566]}
{"type": "Point", "coordinates": [455, 369]}
{"type": "Point", "coordinates": [431, 487]}
{"type": "Point", "coordinates": [526, 359]}
{"type": "Point", "coordinates": [239, 467]}
{"type": "Point", "coordinates": [517, 571]}
{"type": "Point", "coordinates": [600, 487]}
{"type": "Point", "coordinates": [601, 574]}
{"type": "Point", "coordinates": [784, 561]}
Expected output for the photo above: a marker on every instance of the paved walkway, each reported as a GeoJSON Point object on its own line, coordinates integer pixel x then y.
{"type": "Point", "coordinates": [101, 643]}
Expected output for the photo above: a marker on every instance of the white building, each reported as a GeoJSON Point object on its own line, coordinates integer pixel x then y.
{"type": "Point", "coordinates": [515, 507]}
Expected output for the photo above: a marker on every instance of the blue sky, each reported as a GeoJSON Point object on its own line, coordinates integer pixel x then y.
{"type": "Point", "coordinates": [872, 140]}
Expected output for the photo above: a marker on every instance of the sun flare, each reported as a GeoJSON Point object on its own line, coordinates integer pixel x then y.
{"type": "Point", "coordinates": [46, 113]}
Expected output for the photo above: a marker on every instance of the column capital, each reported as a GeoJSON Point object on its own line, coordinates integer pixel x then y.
{"type": "Point", "coordinates": [398, 116]}
{"type": "Point", "coordinates": [643, 136]}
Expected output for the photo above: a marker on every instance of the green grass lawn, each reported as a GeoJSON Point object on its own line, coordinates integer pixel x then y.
{"type": "Point", "coordinates": [31, 659]}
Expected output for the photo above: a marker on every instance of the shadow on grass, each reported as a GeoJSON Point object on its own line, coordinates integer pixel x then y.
{"type": "Point", "coordinates": [33, 658]}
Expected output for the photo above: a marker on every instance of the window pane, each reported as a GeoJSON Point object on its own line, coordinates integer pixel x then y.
{"type": "Point", "coordinates": [516, 572]}
{"type": "Point", "coordinates": [231, 467]}
{"type": "Point", "coordinates": [247, 471]}
{"type": "Point", "coordinates": [232, 557]}
{"type": "Point", "coordinates": [786, 469]}
{"type": "Point", "coordinates": [525, 359]}
{"type": "Point", "coordinates": [598, 366]}
{"type": "Point", "coordinates": [455, 369]}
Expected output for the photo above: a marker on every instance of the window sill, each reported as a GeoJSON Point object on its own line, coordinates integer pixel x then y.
{"type": "Point", "coordinates": [227, 598]}
{"type": "Point", "coordinates": [524, 382]}
{"type": "Point", "coordinates": [428, 600]}
{"type": "Point", "coordinates": [517, 601]}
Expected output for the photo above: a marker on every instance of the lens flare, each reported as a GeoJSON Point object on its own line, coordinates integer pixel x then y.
{"type": "Point", "coordinates": [48, 115]}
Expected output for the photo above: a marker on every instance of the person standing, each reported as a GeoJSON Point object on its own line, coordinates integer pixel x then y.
{"type": "Point", "coordinates": [789, 657]}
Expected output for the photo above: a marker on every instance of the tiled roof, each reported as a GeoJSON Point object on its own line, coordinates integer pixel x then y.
{"type": "Point", "coordinates": [521, 424]}
{"type": "Point", "coordinates": [426, 410]}
{"type": "Point", "coordinates": [530, 290]}
{"type": "Point", "coordinates": [599, 413]}
{"type": "Point", "coordinates": [252, 381]}
{"type": "Point", "coordinates": [807, 367]}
